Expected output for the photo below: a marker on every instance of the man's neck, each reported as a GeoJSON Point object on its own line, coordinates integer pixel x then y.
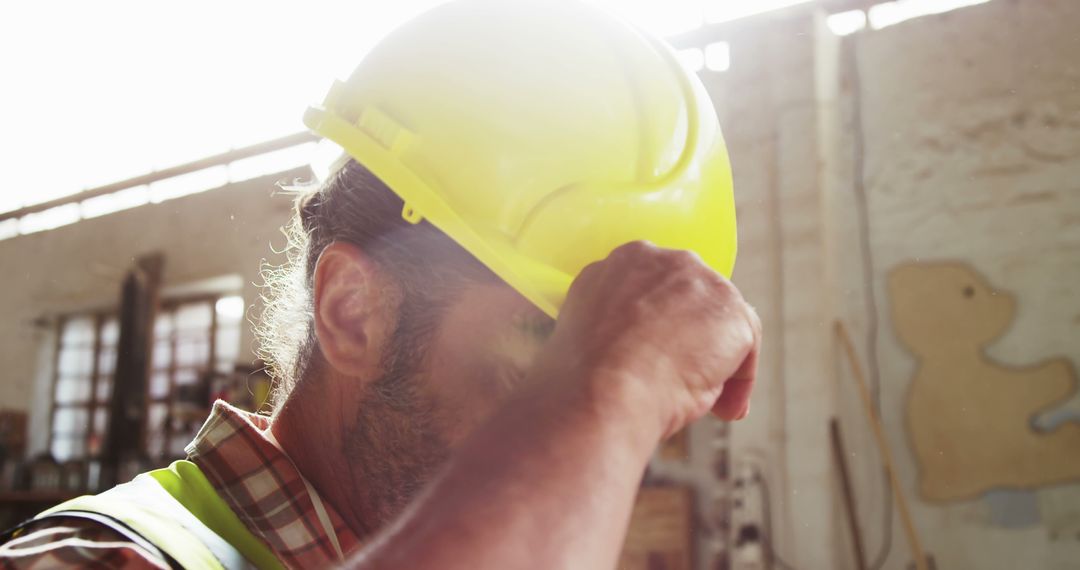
{"type": "Point", "coordinates": [310, 433]}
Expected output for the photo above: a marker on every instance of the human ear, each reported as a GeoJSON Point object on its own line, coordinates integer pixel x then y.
{"type": "Point", "coordinates": [350, 315]}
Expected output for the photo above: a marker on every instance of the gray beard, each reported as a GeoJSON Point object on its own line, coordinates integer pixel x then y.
{"type": "Point", "coordinates": [396, 444]}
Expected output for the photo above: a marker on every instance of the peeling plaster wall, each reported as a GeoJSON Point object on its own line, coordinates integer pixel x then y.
{"type": "Point", "coordinates": [970, 138]}
{"type": "Point", "coordinates": [770, 109]}
{"type": "Point", "coordinates": [966, 145]}
{"type": "Point", "coordinates": [227, 231]}
{"type": "Point", "coordinates": [955, 166]}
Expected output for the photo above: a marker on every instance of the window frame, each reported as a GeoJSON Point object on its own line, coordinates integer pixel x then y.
{"type": "Point", "coordinates": [172, 306]}
{"type": "Point", "coordinates": [91, 404]}
{"type": "Point", "coordinates": [99, 318]}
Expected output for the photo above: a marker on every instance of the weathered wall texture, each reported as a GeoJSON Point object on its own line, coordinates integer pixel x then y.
{"type": "Point", "coordinates": [962, 132]}
{"type": "Point", "coordinates": [777, 460]}
{"type": "Point", "coordinates": [770, 111]}
{"type": "Point", "coordinates": [222, 232]}
{"type": "Point", "coordinates": [971, 145]}
{"type": "Point", "coordinates": [951, 137]}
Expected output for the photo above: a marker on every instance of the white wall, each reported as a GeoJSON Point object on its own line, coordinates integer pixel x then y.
{"type": "Point", "coordinates": [971, 130]}
{"type": "Point", "coordinates": [970, 150]}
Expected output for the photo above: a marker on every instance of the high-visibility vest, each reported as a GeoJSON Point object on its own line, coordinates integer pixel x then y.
{"type": "Point", "coordinates": [177, 511]}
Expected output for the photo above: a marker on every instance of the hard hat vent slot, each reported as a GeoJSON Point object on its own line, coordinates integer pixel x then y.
{"type": "Point", "coordinates": [411, 215]}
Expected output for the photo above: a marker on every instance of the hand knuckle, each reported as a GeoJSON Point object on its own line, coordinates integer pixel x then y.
{"type": "Point", "coordinates": [749, 336]}
{"type": "Point", "coordinates": [726, 288]}
{"type": "Point", "coordinates": [684, 256]}
{"type": "Point", "coordinates": [748, 325]}
{"type": "Point", "coordinates": [755, 320]}
{"type": "Point", "coordinates": [686, 286]}
{"type": "Point", "coordinates": [672, 260]}
{"type": "Point", "coordinates": [638, 247]}
{"type": "Point", "coordinates": [588, 272]}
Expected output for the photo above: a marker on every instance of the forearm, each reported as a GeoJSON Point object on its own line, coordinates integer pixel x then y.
{"type": "Point", "coordinates": [546, 483]}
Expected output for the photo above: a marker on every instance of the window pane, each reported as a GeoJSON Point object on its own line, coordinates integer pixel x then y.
{"type": "Point", "coordinates": [155, 419]}
{"type": "Point", "coordinates": [72, 390]}
{"type": "Point", "coordinates": [162, 354]}
{"type": "Point", "coordinates": [106, 361]}
{"type": "Point", "coordinates": [104, 388]}
{"type": "Point", "coordinates": [71, 421]}
{"type": "Point", "coordinates": [76, 361]}
{"type": "Point", "coordinates": [78, 331]}
{"type": "Point", "coordinates": [227, 343]}
{"type": "Point", "coordinates": [110, 332]}
{"type": "Point", "coordinates": [163, 325]}
{"type": "Point", "coordinates": [101, 417]}
{"type": "Point", "coordinates": [64, 448]}
{"type": "Point", "coordinates": [195, 316]}
{"type": "Point", "coordinates": [186, 376]}
{"type": "Point", "coordinates": [159, 384]}
{"type": "Point", "coordinates": [229, 309]}
{"type": "Point", "coordinates": [192, 352]}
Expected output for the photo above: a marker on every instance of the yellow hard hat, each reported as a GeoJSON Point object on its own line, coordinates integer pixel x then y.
{"type": "Point", "coordinates": [539, 135]}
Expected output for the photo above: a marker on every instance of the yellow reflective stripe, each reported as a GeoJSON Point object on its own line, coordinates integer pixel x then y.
{"type": "Point", "coordinates": [187, 484]}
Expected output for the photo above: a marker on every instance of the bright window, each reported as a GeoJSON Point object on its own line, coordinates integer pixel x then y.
{"type": "Point", "coordinates": [84, 367]}
{"type": "Point", "coordinates": [193, 339]}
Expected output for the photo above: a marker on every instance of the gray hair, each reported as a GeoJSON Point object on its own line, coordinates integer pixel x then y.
{"type": "Point", "coordinates": [353, 206]}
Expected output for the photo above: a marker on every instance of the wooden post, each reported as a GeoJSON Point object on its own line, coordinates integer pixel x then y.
{"type": "Point", "coordinates": [127, 406]}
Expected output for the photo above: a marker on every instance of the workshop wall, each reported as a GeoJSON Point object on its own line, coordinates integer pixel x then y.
{"type": "Point", "coordinates": [962, 134]}
{"type": "Point", "coordinates": [942, 155]}
{"type": "Point", "coordinates": [223, 232]}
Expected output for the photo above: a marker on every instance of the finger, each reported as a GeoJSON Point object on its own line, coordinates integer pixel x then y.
{"type": "Point", "coordinates": [734, 401]}
{"type": "Point", "coordinates": [633, 249]}
{"type": "Point", "coordinates": [587, 275]}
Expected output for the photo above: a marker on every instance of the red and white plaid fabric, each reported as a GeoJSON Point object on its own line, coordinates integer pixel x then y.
{"type": "Point", "coordinates": [257, 481]}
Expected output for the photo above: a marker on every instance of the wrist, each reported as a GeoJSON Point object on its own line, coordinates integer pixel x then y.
{"type": "Point", "coordinates": [613, 403]}
{"type": "Point", "coordinates": [626, 400]}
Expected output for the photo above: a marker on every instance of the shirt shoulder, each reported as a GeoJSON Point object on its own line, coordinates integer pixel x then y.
{"type": "Point", "coordinates": [65, 542]}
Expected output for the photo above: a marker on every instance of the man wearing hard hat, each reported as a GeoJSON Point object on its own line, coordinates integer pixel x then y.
{"type": "Point", "coordinates": [493, 312]}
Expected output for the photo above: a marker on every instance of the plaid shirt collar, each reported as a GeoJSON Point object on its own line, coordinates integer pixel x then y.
{"type": "Point", "coordinates": [262, 486]}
